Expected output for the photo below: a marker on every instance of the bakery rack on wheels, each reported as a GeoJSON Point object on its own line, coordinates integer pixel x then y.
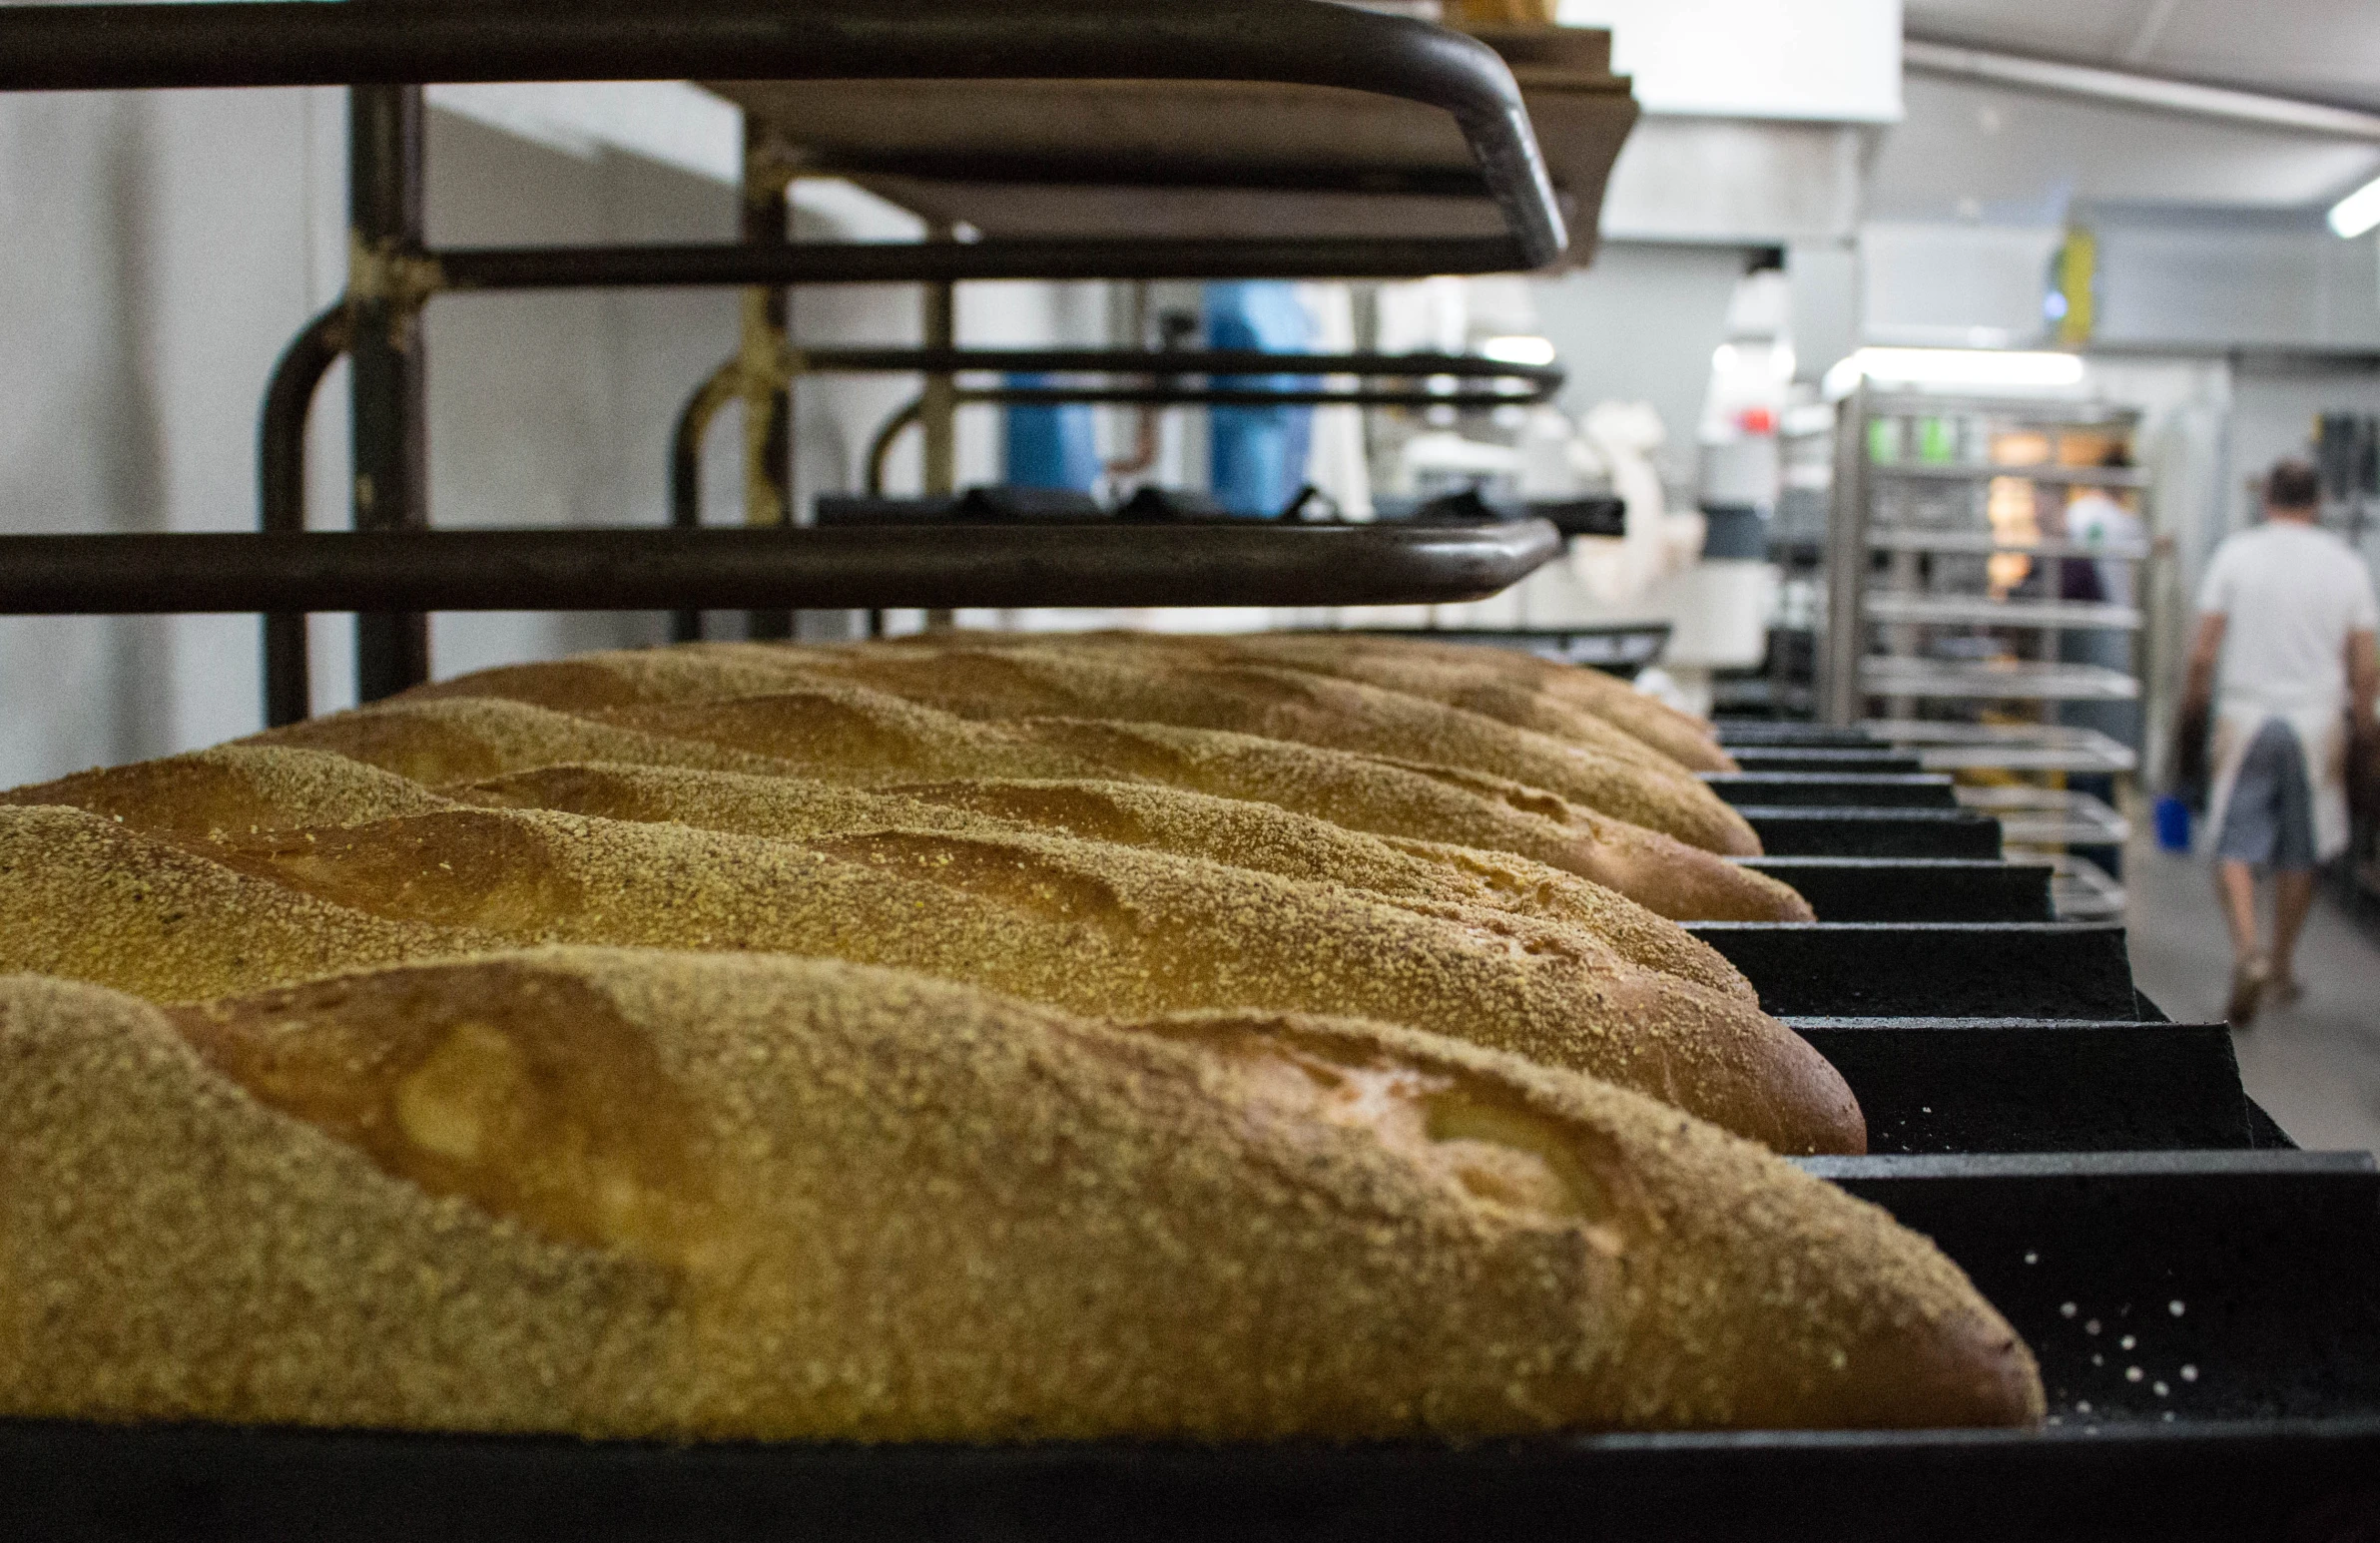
{"type": "Point", "coordinates": [1950, 606]}
{"type": "Point", "coordinates": [2201, 1295]}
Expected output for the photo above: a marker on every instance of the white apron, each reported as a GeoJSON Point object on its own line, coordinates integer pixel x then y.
{"type": "Point", "coordinates": [2321, 736]}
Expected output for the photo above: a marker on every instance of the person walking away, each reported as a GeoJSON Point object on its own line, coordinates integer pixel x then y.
{"type": "Point", "coordinates": [2287, 610]}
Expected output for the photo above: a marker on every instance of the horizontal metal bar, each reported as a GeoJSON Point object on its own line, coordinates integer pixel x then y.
{"type": "Point", "coordinates": [2202, 1480]}
{"type": "Point", "coordinates": [1984, 541]}
{"type": "Point", "coordinates": [1139, 362]}
{"type": "Point", "coordinates": [2056, 476]}
{"type": "Point", "coordinates": [1244, 396]}
{"type": "Point", "coordinates": [2011, 969]}
{"type": "Point", "coordinates": [1291, 42]}
{"type": "Point", "coordinates": [1232, 562]}
{"type": "Point", "coordinates": [1057, 257]}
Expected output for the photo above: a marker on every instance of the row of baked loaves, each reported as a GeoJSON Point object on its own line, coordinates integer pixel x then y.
{"type": "Point", "coordinates": [1214, 1092]}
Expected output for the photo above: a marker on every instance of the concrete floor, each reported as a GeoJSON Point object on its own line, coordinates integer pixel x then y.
{"type": "Point", "coordinates": [2315, 1066]}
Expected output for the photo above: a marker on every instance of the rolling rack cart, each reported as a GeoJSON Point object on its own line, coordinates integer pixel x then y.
{"type": "Point", "coordinates": [1921, 510]}
{"type": "Point", "coordinates": [2202, 1296]}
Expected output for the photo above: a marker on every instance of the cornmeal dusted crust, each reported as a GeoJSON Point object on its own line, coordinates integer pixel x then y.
{"type": "Point", "coordinates": [83, 896]}
{"type": "Point", "coordinates": [1418, 876]}
{"type": "Point", "coordinates": [860, 737]}
{"type": "Point", "coordinates": [1082, 926]}
{"type": "Point", "coordinates": [1514, 686]}
{"type": "Point", "coordinates": [625, 1194]}
{"type": "Point", "coordinates": [1158, 688]}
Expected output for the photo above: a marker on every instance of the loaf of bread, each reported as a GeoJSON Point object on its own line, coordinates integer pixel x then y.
{"type": "Point", "coordinates": [684, 1197]}
{"type": "Point", "coordinates": [1427, 877]}
{"type": "Point", "coordinates": [83, 896]}
{"type": "Point", "coordinates": [1513, 684]}
{"type": "Point", "coordinates": [1076, 924]}
{"type": "Point", "coordinates": [867, 739]}
{"type": "Point", "coordinates": [1465, 676]}
{"type": "Point", "coordinates": [253, 789]}
{"type": "Point", "coordinates": [1289, 705]}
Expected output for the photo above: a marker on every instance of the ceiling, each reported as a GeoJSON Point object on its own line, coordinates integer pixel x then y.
{"type": "Point", "coordinates": [2320, 50]}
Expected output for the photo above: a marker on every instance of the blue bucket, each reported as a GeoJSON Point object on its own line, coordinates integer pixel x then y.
{"type": "Point", "coordinates": [2173, 825]}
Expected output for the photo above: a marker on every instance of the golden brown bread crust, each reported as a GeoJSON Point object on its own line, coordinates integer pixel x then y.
{"type": "Point", "coordinates": [235, 789]}
{"type": "Point", "coordinates": [1080, 925]}
{"type": "Point", "coordinates": [860, 737]}
{"type": "Point", "coordinates": [686, 1196]}
{"type": "Point", "coordinates": [1497, 681]}
{"type": "Point", "coordinates": [1094, 928]}
{"type": "Point", "coordinates": [260, 787]}
{"type": "Point", "coordinates": [1416, 875]}
{"type": "Point", "coordinates": [1511, 684]}
{"type": "Point", "coordinates": [83, 896]}
{"type": "Point", "coordinates": [1179, 691]}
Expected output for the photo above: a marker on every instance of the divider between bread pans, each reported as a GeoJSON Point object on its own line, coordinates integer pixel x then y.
{"type": "Point", "coordinates": [1787, 831]}
{"type": "Point", "coordinates": [1859, 761]}
{"type": "Point", "coordinates": [1915, 888]}
{"type": "Point", "coordinates": [1833, 790]}
{"type": "Point", "coordinates": [1859, 969]}
{"type": "Point", "coordinates": [1936, 1085]}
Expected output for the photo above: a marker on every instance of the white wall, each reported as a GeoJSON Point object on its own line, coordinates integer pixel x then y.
{"type": "Point", "coordinates": [1640, 325]}
{"type": "Point", "coordinates": [160, 249]}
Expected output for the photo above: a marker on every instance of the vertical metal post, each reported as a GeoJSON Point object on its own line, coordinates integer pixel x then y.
{"type": "Point", "coordinates": [389, 401]}
{"type": "Point", "coordinates": [1839, 696]}
{"type": "Point", "coordinates": [767, 220]}
{"type": "Point", "coordinates": [938, 408]}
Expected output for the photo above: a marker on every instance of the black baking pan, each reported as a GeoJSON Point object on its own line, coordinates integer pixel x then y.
{"type": "Point", "coordinates": [2270, 1376]}
{"type": "Point", "coordinates": [1915, 888]}
{"type": "Point", "coordinates": [1787, 831]}
{"type": "Point", "coordinates": [1833, 790]}
{"type": "Point", "coordinates": [1929, 1084]}
{"type": "Point", "coordinates": [1761, 733]}
{"type": "Point", "coordinates": [1864, 760]}
{"type": "Point", "coordinates": [2003, 969]}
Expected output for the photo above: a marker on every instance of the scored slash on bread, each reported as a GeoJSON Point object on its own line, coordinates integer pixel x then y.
{"type": "Point", "coordinates": [615, 1193]}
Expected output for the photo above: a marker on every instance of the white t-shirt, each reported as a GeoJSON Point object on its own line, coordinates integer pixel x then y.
{"type": "Point", "coordinates": [2292, 593]}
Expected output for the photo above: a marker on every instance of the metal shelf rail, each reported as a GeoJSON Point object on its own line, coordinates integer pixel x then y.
{"type": "Point", "coordinates": [386, 50]}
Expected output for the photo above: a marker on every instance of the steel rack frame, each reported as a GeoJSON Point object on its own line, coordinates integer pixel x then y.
{"type": "Point", "coordinates": [384, 49]}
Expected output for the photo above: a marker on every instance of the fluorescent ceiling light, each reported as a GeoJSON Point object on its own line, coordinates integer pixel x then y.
{"type": "Point", "coordinates": [1967, 366]}
{"type": "Point", "coordinates": [1517, 349]}
{"type": "Point", "coordinates": [2358, 212]}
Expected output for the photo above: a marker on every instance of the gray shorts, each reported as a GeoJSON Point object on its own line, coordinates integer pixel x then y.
{"type": "Point", "coordinates": [2270, 819]}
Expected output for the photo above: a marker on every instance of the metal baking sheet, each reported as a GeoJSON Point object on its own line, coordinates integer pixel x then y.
{"type": "Point", "coordinates": [1915, 888]}
{"type": "Point", "coordinates": [1833, 790]}
{"type": "Point", "coordinates": [1822, 759]}
{"type": "Point", "coordinates": [1932, 1085]}
{"type": "Point", "coordinates": [1859, 969]}
{"type": "Point", "coordinates": [1787, 831]}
